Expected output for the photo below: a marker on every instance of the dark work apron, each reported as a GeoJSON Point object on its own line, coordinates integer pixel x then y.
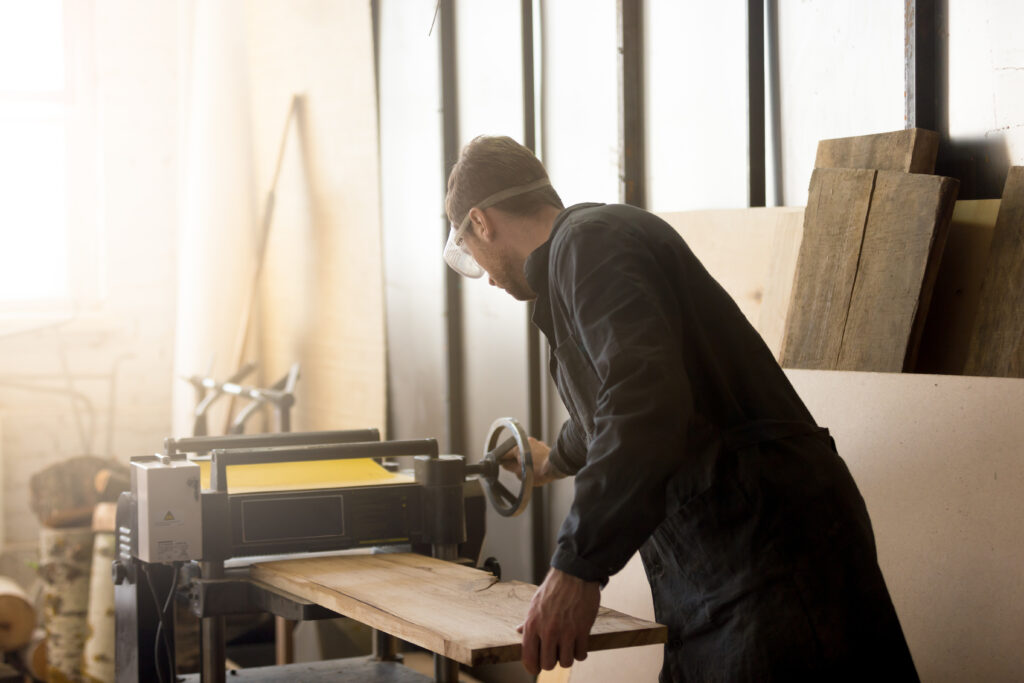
{"type": "Point", "coordinates": [766, 570]}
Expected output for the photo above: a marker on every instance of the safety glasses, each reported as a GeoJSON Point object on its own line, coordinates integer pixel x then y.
{"type": "Point", "coordinates": [456, 255]}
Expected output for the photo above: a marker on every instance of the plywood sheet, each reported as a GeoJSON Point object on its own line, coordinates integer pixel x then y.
{"type": "Point", "coordinates": [940, 463]}
{"type": "Point", "coordinates": [834, 220]}
{"type": "Point", "coordinates": [954, 304]}
{"type": "Point", "coordinates": [778, 290]}
{"type": "Point", "coordinates": [736, 247]}
{"type": "Point", "coordinates": [899, 258]}
{"type": "Point", "coordinates": [460, 612]}
{"type": "Point", "coordinates": [912, 151]}
{"type": "Point", "coordinates": [997, 343]}
{"type": "Point", "coordinates": [322, 293]}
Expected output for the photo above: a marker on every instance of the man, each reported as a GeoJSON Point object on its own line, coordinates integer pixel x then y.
{"type": "Point", "coordinates": [686, 440]}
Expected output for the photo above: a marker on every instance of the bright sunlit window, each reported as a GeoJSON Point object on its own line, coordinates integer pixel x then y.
{"type": "Point", "coordinates": [33, 152]}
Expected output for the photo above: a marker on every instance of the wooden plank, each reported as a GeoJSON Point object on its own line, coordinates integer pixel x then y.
{"type": "Point", "coordinates": [460, 612]}
{"type": "Point", "coordinates": [997, 344]}
{"type": "Point", "coordinates": [778, 290]}
{"type": "Point", "coordinates": [837, 210]}
{"type": "Point", "coordinates": [911, 151]}
{"type": "Point", "coordinates": [899, 258]}
{"type": "Point", "coordinates": [954, 305]}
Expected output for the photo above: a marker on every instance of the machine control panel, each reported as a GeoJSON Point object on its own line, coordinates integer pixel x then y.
{"type": "Point", "coordinates": [170, 524]}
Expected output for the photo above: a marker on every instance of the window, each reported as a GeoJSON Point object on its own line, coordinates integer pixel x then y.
{"type": "Point", "coordinates": [47, 209]}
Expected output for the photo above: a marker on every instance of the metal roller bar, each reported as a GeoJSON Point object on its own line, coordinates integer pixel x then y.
{"type": "Point", "coordinates": [206, 444]}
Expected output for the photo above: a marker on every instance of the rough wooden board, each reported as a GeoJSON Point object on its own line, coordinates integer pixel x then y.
{"type": "Point", "coordinates": [734, 245]}
{"type": "Point", "coordinates": [837, 210]}
{"type": "Point", "coordinates": [997, 343]}
{"type": "Point", "coordinates": [899, 258]}
{"type": "Point", "coordinates": [911, 151]}
{"type": "Point", "coordinates": [460, 612]}
{"type": "Point", "coordinates": [778, 290]}
{"type": "Point", "coordinates": [954, 304]}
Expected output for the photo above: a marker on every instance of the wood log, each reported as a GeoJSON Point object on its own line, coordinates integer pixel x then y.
{"type": "Point", "coordinates": [65, 557]}
{"type": "Point", "coordinates": [32, 656]}
{"type": "Point", "coordinates": [17, 616]}
{"type": "Point", "coordinates": [997, 344]}
{"type": "Point", "coordinates": [912, 151]}
{"type": "Point", "coordinates": [64, 494]}
{"type": "Point", "coordinates": [109, 483]}
{"type": "Point", "coordinates": [460, 612]}
{"type": "Point", "coordinates": [98, 655]}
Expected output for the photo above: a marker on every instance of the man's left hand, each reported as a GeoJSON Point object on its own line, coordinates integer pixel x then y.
{"type": "Point", "coordinates": [557, 626]}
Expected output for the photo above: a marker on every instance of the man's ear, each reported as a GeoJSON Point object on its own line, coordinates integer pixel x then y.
{"type": "Point", "coordinates": [481, 225]}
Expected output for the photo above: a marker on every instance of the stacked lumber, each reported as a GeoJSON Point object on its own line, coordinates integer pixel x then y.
{"type": "Point", "coordinates": [869, 256]}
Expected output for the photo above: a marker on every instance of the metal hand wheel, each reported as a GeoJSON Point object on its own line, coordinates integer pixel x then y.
{"type": "Point", "coordinates": [504, 501]}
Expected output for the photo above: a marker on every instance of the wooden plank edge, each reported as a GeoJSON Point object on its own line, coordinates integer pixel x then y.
{"type": "Point", "coordinates": [948, 190]}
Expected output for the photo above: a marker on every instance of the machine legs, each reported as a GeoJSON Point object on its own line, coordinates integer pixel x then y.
{"type": "Point", "coordinates": [212, 631]}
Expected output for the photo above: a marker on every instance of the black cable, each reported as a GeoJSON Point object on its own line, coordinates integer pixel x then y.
{"type": "Point", "coordinates": [162, 629]}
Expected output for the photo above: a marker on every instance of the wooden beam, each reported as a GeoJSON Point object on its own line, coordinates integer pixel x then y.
{"type": "Point", "coordinates": [462, 613]}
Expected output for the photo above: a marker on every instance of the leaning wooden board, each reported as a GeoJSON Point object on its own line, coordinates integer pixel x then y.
{"type": "Point", "coordinates": [997, 345]}
{"type": "Point", "coordinates": [460, 612]}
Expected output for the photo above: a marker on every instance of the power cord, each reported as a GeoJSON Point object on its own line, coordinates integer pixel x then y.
{"type": "Point", "coordinates": [162, 629]}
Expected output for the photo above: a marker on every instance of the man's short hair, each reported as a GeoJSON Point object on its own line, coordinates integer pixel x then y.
{"type": "Point", "coordinates": [490, 164]}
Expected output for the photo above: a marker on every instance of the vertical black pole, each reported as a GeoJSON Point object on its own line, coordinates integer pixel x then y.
{"type": "Point", "coordinates": [775, 98]}
{"type": "Point", "coordinates": [452, 283]}
{"type": "Point", "coordinates": [535, 380]}
{"type": "Point", "coordinates": [755, 95]}
{"type": "Point", "coordinates": [632, 188]}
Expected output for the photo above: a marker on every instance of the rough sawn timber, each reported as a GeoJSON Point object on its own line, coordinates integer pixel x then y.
{"type": "Point", "coordinates": [460, 612]}
{"type": "Point", "coordinates": [912, 151]}
{"type": "Point", "coordinates": [903, 242]}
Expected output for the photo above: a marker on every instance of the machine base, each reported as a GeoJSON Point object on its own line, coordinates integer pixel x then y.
{"type": "Point", "coordinates": [352, 670]}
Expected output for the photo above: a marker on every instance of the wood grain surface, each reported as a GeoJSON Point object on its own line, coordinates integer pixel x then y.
{"type": "Point", "coordinates": [837, 210]}
{"type": "Point", "coordinates": [911, 151]}
{"type": "Point", "coordinates": [460, 612]}
{"type": "Point", "coordinates": [997, 345]}
{"type": "Point", "coordinates": [903, 242]}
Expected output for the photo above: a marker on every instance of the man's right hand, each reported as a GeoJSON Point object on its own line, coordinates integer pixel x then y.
{"type": "Point", "coordinates": [543, 471]}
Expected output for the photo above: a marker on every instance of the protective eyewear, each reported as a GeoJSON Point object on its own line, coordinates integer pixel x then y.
{"type": "Point", "coordinates": [456, 255]}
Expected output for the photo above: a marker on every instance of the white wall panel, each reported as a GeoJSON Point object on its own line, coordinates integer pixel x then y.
{"type": "Point", "coordinates": [695, 59]}
{"type": "Point", "coordinates": [412, 210]}
{"type": "Point", "coordinates": [841, 73]}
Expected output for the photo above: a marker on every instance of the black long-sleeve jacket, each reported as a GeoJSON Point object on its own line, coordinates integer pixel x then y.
{"type": "Point", "coordinates": [654, 362]}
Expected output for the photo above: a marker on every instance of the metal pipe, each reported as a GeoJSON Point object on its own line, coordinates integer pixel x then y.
{"type": "Point", "coordinates": [212, 633]}
{"type": "Point", "coordinates": [755, 98]}
{"type": "Point", "coordinates": [632, 188]}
